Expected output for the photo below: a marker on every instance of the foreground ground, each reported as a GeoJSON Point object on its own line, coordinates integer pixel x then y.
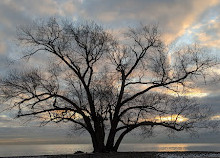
{"type": "Point", "coordinates": [190, 154]}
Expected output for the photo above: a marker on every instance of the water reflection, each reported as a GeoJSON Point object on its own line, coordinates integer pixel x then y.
{"type": "Point", "coordinates": [56, 149]}
{"type": "Point", "coordinates": [172, 147]}
{"type": "Point", "coordinates": [43, 149]}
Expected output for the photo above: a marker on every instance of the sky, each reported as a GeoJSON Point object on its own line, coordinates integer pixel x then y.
{"type": "Point", "coordinates": [180, 21]}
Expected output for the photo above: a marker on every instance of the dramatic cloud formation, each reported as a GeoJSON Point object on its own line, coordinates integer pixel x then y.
{"type": "Point", "coordinates": [181, 22]}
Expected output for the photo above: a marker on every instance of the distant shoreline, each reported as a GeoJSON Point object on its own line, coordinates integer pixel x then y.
{"type": "Point", "coordinates": [180, 154]}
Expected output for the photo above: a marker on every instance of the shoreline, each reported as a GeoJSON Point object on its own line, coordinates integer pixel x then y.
{"type": "Point", "coordinates": [179, 154]}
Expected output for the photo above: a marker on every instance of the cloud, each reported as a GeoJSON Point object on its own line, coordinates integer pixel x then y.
{"type": "Point", "coordinates": [68, 8]}
{"type": "Point", "coordinates": [209, 34]}
{"type": "Point", "coordinates": [40, 7]}
{"type": "Point", "coordinates": [6, 121]}
{"type": "Point", "coordinates": [2, 47]}
{"type": "Point", "coordinates": [216, 117]}
{"type": "Point", "coordinates": [14, 13]}
{"type": "Point", "coordinates": [174, 17]}
{"type": "Point", "coordinates": [56, 134]}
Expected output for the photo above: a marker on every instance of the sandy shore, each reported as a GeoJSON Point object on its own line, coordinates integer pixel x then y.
{"type": "Point", "coordinates": [190, 154]}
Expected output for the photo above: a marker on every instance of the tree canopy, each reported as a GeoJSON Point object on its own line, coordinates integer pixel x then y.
{"type": "Point", "coordinates": [103, 85]}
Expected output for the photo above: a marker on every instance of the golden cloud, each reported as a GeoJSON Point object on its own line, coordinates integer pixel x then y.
{"type": "Point", "coordinates": [171, 118]}
{"type": "Point", "coordinates": [216, 117]}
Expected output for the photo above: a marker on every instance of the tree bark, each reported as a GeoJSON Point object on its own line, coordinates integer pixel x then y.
{"type": "Point", "coordinates": [111, 136]}
{"type": "Point", "coordinates": [99, 141]}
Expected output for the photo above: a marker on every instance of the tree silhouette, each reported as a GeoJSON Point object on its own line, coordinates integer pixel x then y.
{"type": "Point", "coordinates": [105, 86]}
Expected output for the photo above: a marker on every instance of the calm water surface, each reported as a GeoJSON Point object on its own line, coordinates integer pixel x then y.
{"type": "Point", "coordinates": [54, 149]}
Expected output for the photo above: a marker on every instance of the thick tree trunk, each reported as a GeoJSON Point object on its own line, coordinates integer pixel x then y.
{"type": "Point", "coordinates": [99, 147]}
{"type": "Point", "coordinates": [98, 138]}
{"type": "Point", "coordinates": [99, 144]}
{"type": "Point", "coordinates": [99, 141]}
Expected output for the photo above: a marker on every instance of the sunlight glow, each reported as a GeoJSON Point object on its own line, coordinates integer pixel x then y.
{"type": "Point", "coordinates": [172, 147]}
{"type": "Point", "coordinates": [171, 118]}
{"type": "Point", "coordinates": [61, 114]}
{"type": "Point", "coordinates": [216, 117]}
{"type": "Point", "coordinates": [190, 93]}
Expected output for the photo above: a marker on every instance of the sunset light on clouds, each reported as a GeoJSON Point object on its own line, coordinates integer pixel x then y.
{"type": "Point", "coordinates": [181, 22]}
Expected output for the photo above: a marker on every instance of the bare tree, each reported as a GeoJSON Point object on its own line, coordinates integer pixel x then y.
{"type": "Point", "coordinates": [106, 87]}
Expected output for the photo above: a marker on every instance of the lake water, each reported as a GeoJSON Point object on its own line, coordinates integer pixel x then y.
{"type": "Point", "coordinates": [54, 149]}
